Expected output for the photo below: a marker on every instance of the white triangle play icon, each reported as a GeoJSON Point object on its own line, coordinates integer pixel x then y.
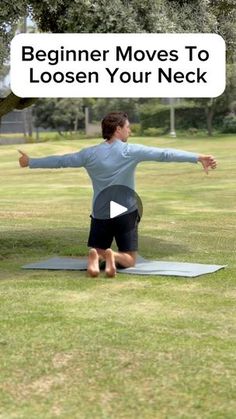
{"type": "Point", "coordinates": [116, 209]}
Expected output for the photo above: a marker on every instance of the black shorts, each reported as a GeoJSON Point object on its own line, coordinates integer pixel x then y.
{"type": "Point", "coordinates": [124, 229]}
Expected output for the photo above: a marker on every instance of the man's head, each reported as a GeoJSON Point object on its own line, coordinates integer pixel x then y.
{"type": "Point", "coordinates": [116, 125]}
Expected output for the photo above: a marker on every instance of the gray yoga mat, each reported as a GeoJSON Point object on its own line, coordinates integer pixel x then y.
{"type": "Point", "coordinates": [142, 267]}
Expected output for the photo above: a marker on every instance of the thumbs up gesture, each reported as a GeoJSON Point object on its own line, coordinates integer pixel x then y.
{"type": "Point", "coordinates": [23, 159]}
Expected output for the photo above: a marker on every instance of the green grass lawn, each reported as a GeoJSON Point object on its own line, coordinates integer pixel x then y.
{"type": "Point", "coordinates": [131, 346]}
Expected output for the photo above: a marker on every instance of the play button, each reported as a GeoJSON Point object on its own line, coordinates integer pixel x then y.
{"type": "Point", "coordinates": [116, 209]}
{"type": "Point", "coordinates": [116, 201]}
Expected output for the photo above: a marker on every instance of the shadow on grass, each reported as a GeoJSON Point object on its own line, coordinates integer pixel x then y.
{"type": "Point", "coordinates": [157, 248]}
{"type": "Point", "coordinates": [71, 242]}
{"type": "Point", "coordinates": [30, 243]}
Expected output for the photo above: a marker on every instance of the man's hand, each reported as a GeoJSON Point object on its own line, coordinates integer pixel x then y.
{"type": "Point", "coordinates": [208, 162]}
{"type": "Point", "coordinates": [24, 159]}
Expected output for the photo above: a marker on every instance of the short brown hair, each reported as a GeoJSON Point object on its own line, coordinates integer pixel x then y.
{"type": "Point", "coordinates": [111, 121]}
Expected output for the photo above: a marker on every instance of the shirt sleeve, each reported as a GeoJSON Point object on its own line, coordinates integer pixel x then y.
{"type": "Point", "coordinates": [145, 153]}
{"type": "Point", "coordinates": [57, 162]}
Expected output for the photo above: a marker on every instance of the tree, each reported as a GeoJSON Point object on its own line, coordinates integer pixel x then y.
{"type": "Point", "coordinates": [59, 114]}
{"type": "Point", "coordinates": [3, 86]}
{"type": "Point", "coordinates": [10, 15]}
{"type": "Point", "coordinates": [217, 16]}
{"type": "Point", "coordinates": [78, 16]}
{"type": "Point", "coordinates": [122, 16]}
{"type": "Point", "coordinates": [128, 105]}
{"type": "Point", "coordinates": [225, 13]}
{"type": "Point", "coordinates": [221, 103]}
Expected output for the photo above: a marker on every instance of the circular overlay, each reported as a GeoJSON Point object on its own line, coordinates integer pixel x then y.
{"type": "Point", "coordinates": [115, 201]}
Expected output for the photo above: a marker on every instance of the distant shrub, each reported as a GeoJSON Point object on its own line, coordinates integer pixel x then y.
{"type": "Point", "coordinates": [187, 115]}
{"type": "Point", "coordinates": [192, 131]}
{"type": "Point", "coordinates": [233, 107]}
{"type": "Point", "coordinates": [153, 132]}
{"type": "Point", "coordinates": [30, 140]}
{"type": "Point", "coordinates": [229, 124]}
{"type": "Point", "coordinates": [136, 129]}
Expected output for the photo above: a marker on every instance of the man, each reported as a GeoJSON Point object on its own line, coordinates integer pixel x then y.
{"type": "Point", "coordinates": [113, 162]}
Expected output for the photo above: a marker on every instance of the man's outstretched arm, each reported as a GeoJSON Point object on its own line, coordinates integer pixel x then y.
{"type": "Point", "coordinates": [146, 153]}
{"type": "Point", "coordinates": [52, 162]}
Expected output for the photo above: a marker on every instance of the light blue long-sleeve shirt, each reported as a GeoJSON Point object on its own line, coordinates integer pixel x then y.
{"type": "Point", "coordinates": [112, 163]}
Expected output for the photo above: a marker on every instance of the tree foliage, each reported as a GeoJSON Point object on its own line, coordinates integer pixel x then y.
{"type": "Point", "coordinates": [102, 106]}
{"type": "Point", "coordinates": [78, 16]}
{"type": "Point", "coordinates": [104, 16]}
{"type": "Point", "coordinates": [101, 16]}
{"type": "Point", "coordinates": [59, 114]}
{"type": "Point", "coordinates": [10, 13]}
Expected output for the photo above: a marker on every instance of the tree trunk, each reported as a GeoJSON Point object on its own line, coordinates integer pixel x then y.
{"type": "Point", "coordinates": [30, 122]}
{"type": "Point", "coordinates": [25, 130]}
{"type": "Point", "coordinates": [12, 102]}
{"type": "Point", "coordinates": [210, 114]}
{"type": "Point", "coordinates": [76, 123]}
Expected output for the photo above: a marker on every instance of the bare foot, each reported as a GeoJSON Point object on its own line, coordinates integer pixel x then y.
{"type": "Point", "coordinates": [110, 263]}
{"type": "Point", "coordinates": [93, 263]}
